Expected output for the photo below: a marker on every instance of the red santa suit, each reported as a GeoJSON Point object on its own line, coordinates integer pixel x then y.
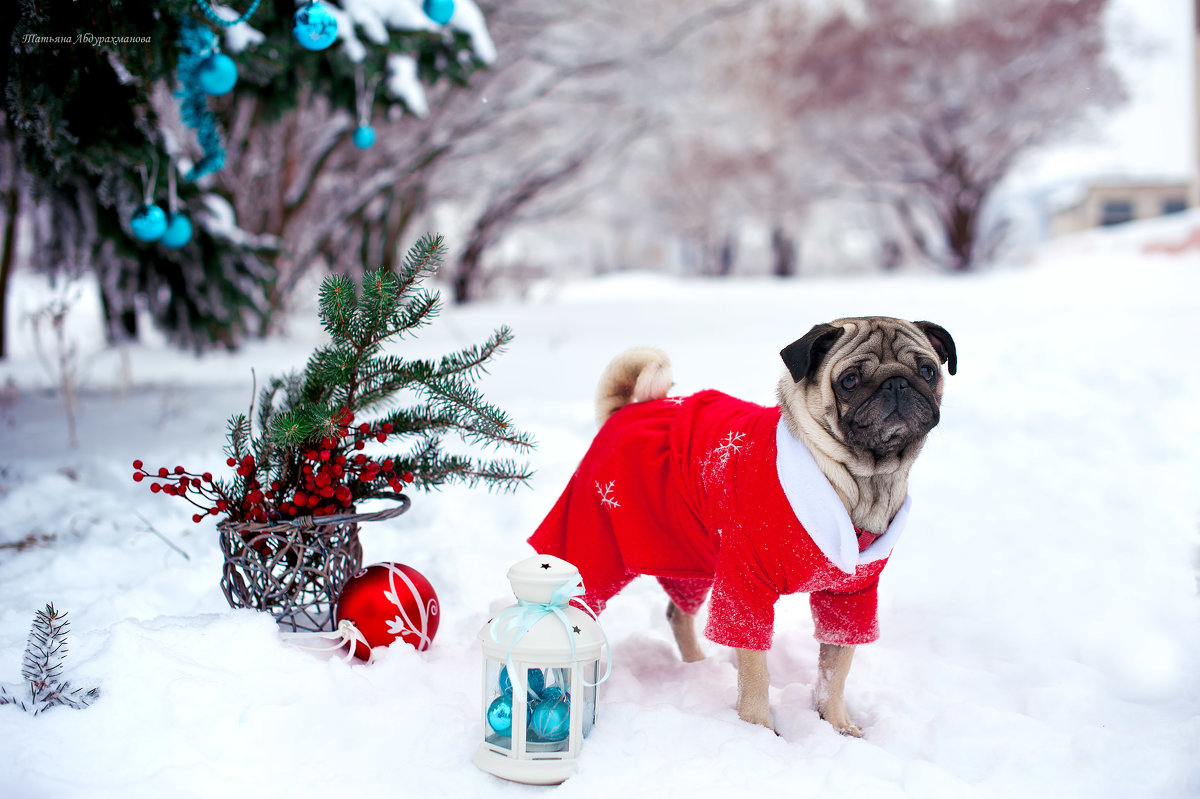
{"type": "Point", "coordinates": [709, 491]}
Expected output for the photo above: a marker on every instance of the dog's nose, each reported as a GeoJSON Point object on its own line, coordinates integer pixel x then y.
{"type": "Point", "coordinates": [895, 384]}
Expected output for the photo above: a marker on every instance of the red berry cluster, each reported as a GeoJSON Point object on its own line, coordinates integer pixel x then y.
{"type": "Point", "coordinates": [320, 481]}
{"type": "Point", "coordinates": [179, 482]}
{"type": "Point", "coordinates": [327, 469]}
{"type": "Point", "coordinates": [253, 504]}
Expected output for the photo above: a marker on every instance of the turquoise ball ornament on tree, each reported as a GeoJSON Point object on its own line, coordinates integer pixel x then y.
{"type": "Point", "coordinates": [314, 26]}
{"type": "Point", "coordinates": [364, 137]}
{"type": "Point", "coordinates": [178, 232]}
{"type": "Point", "coordinates": [440, 11]}
{"type": "Point", "coordinates": [148, 223]}
{"type": "Point", "coordinates": [217, 74]}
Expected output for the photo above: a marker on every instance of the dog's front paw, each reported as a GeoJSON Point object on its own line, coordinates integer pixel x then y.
{"type": "Point", "coordinates": [753, 703]}
{"type": "Point", "coordinates": [835, 713]}
{"type": "Point", "coordinates": [761, 717]}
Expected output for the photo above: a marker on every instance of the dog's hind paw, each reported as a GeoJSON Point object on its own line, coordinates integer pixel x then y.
{"type": "Point", "coordinates": [851, 731]}
{"type": "Point", "coordinates": [684, 628]}
{"type": "Point", "coordinates": [840, 719]}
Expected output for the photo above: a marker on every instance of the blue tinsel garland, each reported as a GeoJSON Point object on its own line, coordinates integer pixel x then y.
{"type": "Point", "coordinates": [197, 43]}
{"type": "Point", "coordinates": [206, 7]}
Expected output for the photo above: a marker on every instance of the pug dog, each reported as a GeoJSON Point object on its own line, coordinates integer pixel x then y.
{"type": "Point", "coordinates": [738, 504]}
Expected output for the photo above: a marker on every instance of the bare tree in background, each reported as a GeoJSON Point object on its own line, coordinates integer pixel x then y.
{"type": "Point", "coordinates": [727, 162]}
{"type": "Point", "coordinates": [560, 115]}
{"type": "Point", "coordinates": [702, 192]}
{"type": "Point", "coordinates": [532, 138]}
{"type": "Point", "coordinates": [929, 109]}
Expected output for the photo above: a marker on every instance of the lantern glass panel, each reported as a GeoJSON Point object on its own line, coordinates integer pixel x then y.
{"type": "Point", "coordinates": [497, 707]}
{"type": "Point", "coordinates": [588, 672]}
{"type": "Point", "coordinates": [549, 716]}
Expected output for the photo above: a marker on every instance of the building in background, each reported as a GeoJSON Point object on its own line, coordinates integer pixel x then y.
{"type": "Point", "coordinates": [1104, 203]}
{"type": "Point", "coordinates": [1100, 202]}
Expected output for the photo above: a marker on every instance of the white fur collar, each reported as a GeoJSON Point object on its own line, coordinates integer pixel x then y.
{"type": "Point", "coordinates": [821, 512]}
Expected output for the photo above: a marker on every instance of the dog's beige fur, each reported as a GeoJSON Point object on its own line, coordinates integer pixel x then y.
{"type": "Point", "coordinates": [872, 489]}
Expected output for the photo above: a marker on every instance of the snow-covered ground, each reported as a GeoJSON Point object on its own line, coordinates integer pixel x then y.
{"type": "Point", "coordinates": [1040, 624]}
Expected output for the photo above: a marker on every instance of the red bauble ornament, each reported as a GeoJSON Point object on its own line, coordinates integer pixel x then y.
{"type": "Point", "coordinates": [389, 602]}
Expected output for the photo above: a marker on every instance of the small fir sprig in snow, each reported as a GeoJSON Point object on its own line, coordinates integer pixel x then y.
{"type": "Point", "coordinates": [42, 668]}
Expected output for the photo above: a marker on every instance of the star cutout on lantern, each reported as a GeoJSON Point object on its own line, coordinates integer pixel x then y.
{"type": "Point", "coordinates": [545, 565]}
{"type": "Point", "coordinates": [576, 630]}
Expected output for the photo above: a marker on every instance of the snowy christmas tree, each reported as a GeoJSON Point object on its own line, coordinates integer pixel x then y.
{"type": "Point", "coordinates": [103, 113]}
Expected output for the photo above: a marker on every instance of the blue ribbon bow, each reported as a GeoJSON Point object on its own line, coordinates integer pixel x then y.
{"type": "Point", "coordinates": [521, 618]}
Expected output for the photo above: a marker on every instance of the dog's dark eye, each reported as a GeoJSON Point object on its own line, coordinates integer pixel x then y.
{"type": "Point", "coordinates": [849, 381]}
{"type": "Point", "coordinates": [928, 372]}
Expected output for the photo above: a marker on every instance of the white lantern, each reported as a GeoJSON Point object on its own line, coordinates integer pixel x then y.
{"type": "Point", "coordinates": [541, 667]}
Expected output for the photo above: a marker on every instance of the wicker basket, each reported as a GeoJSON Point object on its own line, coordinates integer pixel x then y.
{"type": "Point", "coordinates": [294, 569]}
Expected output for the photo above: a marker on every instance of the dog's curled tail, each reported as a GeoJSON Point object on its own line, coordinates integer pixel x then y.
{"type": "Point", "coordinates": [636, 375]}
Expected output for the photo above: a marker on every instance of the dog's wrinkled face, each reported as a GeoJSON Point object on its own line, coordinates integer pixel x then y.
{"type": "Point", "coordinates": [874, 384]}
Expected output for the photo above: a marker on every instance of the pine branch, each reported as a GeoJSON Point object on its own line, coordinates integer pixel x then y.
{"type": "Point", "coordinates": [45, 649]}
{"type": "Point", "coordinates": [424, 421]}
{"type": "Point", "coordinates": [266, 401]}
{"type": "Point", "coordinates": [5, 699]}
{"type": "Point", "coordinates": [300, 426]}
{"type": "Point", "coordinates": [418, 312]}
{"type": "Point", "coordinates": [74, 698]}
{"type": "Point", "coordinates": [381, 298]}
{"type": "Point", "coordinates": [504, 475]}
{"type": "Point", "coordinates": [420, 420]}
{"type": "Point", "coordinates": [238, 436]}
{"type": "Point", "coordinates": [423, 260]}
{"type": "Point", "coordinates": [471, 362]}
{"type": "Point", "coordinates": [485, 422]}
{"type": "Point", "coordinates": [338, 306]}
{"type": "Point", "coordinates": [501, 475]}
{"type": "Point", "coordinates": [45, 653]}
{"type": "Point", "coordinates": [307, 453]}
{"type": "Point", "coordinates": [329, 369]}
{"type": "Point", "coordinates": [454, 396]}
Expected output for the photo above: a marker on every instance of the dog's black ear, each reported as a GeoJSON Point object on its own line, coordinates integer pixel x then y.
{"type": "Point", "coordinates": [943, 345]}
{"type": "Point", "coordinates": [804, 355]}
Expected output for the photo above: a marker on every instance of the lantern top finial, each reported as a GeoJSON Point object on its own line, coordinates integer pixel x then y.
{"type": "Point", "coordinates": [536, 578]}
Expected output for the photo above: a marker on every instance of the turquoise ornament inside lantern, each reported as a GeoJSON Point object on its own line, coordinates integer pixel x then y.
{"type": "Point", "coordinates": [548, 648]}
{"type": "Point", "coordinates": [499, 715]}
{"type": "Point", "coordinates": [550, 719]}
{"type": "Point", "coordinates": [535, 683]}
